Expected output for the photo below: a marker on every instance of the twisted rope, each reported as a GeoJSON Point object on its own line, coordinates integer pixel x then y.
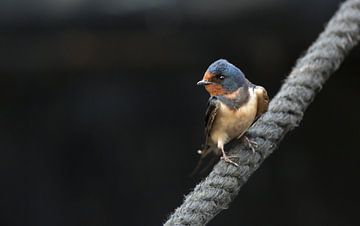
{"type": "Point", "coordinates": [286, 110]}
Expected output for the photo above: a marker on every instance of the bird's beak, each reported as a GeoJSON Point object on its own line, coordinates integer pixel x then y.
{"type": "Point", "coordinates": [203, 83]}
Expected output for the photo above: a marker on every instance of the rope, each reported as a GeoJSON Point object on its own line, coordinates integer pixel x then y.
{"type": "Point", "coordinates": [220, 187]}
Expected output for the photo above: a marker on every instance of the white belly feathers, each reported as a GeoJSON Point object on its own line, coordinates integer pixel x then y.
{"type": "Point", "coordinates": [230, 123]}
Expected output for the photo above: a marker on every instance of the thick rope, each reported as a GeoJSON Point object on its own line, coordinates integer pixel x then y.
{"type": "Point", "coordinates": [286, 110]}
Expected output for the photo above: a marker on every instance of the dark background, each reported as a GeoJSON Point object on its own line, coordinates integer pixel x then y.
{"type": "Point", "coordinates": [100, 117]}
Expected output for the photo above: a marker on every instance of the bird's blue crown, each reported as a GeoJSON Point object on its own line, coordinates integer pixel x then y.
{"type": "Point", "coordinates": [224, 67]}
{"type": "Point", "coordinates": [234, 78]}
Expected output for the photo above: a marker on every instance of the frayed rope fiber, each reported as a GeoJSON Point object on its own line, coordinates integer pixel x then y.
{"type": "Point", "coordinates": [286, 110]}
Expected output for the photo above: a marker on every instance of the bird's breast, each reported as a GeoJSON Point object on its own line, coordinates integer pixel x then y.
{"type": "Point", "coordinates": [230, 123]}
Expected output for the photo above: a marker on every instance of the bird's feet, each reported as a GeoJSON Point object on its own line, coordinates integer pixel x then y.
{"type": "Point", "coordinates": [228, 159]}
{"type": "Point", "coordinates": [251, 144]}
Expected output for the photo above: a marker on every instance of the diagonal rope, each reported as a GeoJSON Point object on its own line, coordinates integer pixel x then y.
{"type": "Point", "coordinates": [286, 110]}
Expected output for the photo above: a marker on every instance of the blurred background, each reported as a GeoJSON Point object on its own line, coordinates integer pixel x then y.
{"type": "Point", "coordinates": [100, 117]}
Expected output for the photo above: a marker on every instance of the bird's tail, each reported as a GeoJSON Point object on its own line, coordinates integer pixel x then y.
{"type": "Point", "coordinates": [204, 158]}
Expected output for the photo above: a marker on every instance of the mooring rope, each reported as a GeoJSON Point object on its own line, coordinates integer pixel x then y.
{"type": "Point", "coordinates": [286, 110]}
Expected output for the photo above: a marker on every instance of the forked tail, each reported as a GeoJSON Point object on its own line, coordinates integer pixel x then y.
{"type": "Point", "coordinates": [204, 158]}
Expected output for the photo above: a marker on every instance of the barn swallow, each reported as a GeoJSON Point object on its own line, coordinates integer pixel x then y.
{"type": "Point", "coordinates": [234, 104]}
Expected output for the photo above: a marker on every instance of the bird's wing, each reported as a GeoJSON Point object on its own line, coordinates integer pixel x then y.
{"type": "Point", "coordinates": [262, 100]}
{"type": "Point", "coordinates": [210, 115]}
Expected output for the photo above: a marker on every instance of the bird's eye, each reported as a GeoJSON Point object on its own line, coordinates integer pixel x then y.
{"type": "Point", "coordinates": [221, 77]}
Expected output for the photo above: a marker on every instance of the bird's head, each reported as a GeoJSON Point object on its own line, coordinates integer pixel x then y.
{"type": "Point", "coordinates": [222, 78]}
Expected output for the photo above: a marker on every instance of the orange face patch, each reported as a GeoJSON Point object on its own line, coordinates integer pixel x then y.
{"type": "Point", "coordinates": [215, 89]}
{"type": "Point", "coordinates": [208, 76]}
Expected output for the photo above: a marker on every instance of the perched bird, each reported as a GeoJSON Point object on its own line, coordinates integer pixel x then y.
{"type": "Point", "coordinates": [234, 104]}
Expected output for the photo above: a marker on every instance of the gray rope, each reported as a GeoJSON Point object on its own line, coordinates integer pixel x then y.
{"type": "Point", "coordinates": [286, 110]}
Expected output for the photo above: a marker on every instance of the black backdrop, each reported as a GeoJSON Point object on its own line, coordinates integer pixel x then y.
{"type": "Point", "coordinates": [100, 117]}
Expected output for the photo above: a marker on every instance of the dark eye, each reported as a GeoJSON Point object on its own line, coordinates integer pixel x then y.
{"type": "Point", "coordinates": [220, 77]}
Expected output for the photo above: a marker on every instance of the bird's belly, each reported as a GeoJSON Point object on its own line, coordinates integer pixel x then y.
{"type": "Point", "coordinates": [233, 123]}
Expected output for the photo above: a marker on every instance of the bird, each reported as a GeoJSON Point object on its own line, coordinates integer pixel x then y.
{"type": "Point", "coordinates": [234, 105]}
